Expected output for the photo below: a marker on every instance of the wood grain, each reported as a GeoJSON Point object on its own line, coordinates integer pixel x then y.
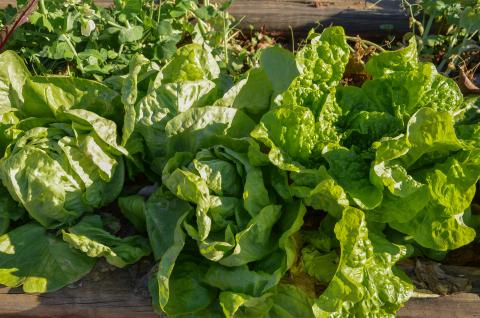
{"type": "Point", "coordinates": [357, 17]}
{"type": "Point", "coordinates": [364, 18]}
{"type": "Point", "coordinates": [111, 295]}
{"type": "Point", "coordinates": [463, 305]}
{"type": "Point", "coordinates": [115, 295]}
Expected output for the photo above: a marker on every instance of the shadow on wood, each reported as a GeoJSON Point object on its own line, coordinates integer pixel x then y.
{"type": "Point", "coordinates": [462, 305]}
{"type": "Point", "coordinates": [364, 18]}
{"type": "Point", "coordinates": [106, 295]}
{"type": "Point", "coordinates": [117, 295]}
{"type": "Point", "coordinates": [368, 19]}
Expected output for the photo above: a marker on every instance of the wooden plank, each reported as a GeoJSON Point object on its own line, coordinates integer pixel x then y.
{"type": "Point", "coordinates": [116, 295]}
{"type": "Point", "coordinates": [357, 17]}
{"type": "Point", "coordinates": [365, 18]}
{"type": "Point", "coordinates": [107, 295]}
{"type": "Point", "coordinates": [463, 305]}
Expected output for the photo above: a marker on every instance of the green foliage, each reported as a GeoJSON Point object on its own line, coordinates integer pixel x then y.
{"type": "Point", "coordinates": [60, 160]}
{"type": "Point", "coordinates": [89, 237]}
{"type": "Point", "coordinates": [264, 186]}
{"type": "Point", "coordinates": [83, 39]}
{"type": "Point", "coordinates": [39, 261]}
{"type": "Point", "coordinates": [448, 28]}
{"type": "Point", "coordinates": [364, 277]}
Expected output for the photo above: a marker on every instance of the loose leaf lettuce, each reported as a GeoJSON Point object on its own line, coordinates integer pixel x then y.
{"type": "Point", "coordinates": [290, 135]}
{"type": "Point", "coordinates": [379, 145]}
{"type": "Point", "coordinates": [285, 301]}
{"type": "Point", "coordinates": [273, 80]}
{"type": "Point", "coordinates": [428, 202]}
{"type": "Point", "coordinates": [392, 62]}
{"type": "Point", "coordinates": [321, 64]}
{"type": "Point", "coordinates": [48, 96]}
{"type": "Point", "coordinates": [319, 190]}
{"type": "Point", "coordinates": [130, 95]}
{"type": "Point", "coordinates": [228, 223]}
{"type": "Point", "coordinates": [192, 62]}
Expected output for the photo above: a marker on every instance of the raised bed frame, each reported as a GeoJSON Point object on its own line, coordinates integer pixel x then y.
{"type": "Point", "coordinates": [117, 295]}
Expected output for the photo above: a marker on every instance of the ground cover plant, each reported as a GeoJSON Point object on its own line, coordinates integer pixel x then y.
{"type": "Point", "coordinates": [82, 39]}
{"type": "Point", "coordinates": [447, 26]}
{"type": "Point", "coordinates": [283, 192]}
{"type": "Point", "coordinates": [447, 33]}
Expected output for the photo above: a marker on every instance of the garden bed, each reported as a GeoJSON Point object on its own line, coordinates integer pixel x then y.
{"type": "Point", "coordinates": [116, 293]}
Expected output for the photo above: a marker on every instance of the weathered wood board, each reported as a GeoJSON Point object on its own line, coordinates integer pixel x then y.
{"type": "Point", "coordinates": [370, 18]}
{"type": "Point", "coordinates": [111, 295]}
{"type": "Point", "coordinates": [364, 18]}
{"type": "Point", "coordinates": [115, 295]}
{"type": "Point", "coordinates": [462, 305]}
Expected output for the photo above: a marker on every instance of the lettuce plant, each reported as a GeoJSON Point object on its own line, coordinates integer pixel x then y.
{"type": "Point", "coordinates": [389, 147]}
{"type": "Point", "coordinates": [61, 160]}
{"type": "Point", "coordinates": [282, 194]}
{"type": "Point", "coordinates": [396, 156]}
{"type": "Point", "coordinates": [223, 211]}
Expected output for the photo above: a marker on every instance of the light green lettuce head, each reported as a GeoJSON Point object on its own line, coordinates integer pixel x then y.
{"type": "Point", "coordinates": [60, 170]}
{"type": "Point", "coordinates": [391, 147]}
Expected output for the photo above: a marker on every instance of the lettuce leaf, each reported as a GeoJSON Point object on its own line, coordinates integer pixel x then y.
{"type": "Point", "coordinates": [89, 237]}
{"type": "Point", "coordinates": [39, 261]}
{"type": "Point", "coordinates": [12, 79]}
{"type": "Point", "coordinates": [289, 133]}
{"type": "Point", "coordinates": [322, 64]}
{"type": "Point", "coordinates": [365, 283]}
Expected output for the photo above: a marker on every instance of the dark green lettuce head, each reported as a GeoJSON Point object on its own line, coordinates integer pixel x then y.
{"type": "Point", "coordinates": [230, 196]}
{"type": "Point", "coordinates": [62, 169]}
{"type": "Point", "coordinates": [220, 212]}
